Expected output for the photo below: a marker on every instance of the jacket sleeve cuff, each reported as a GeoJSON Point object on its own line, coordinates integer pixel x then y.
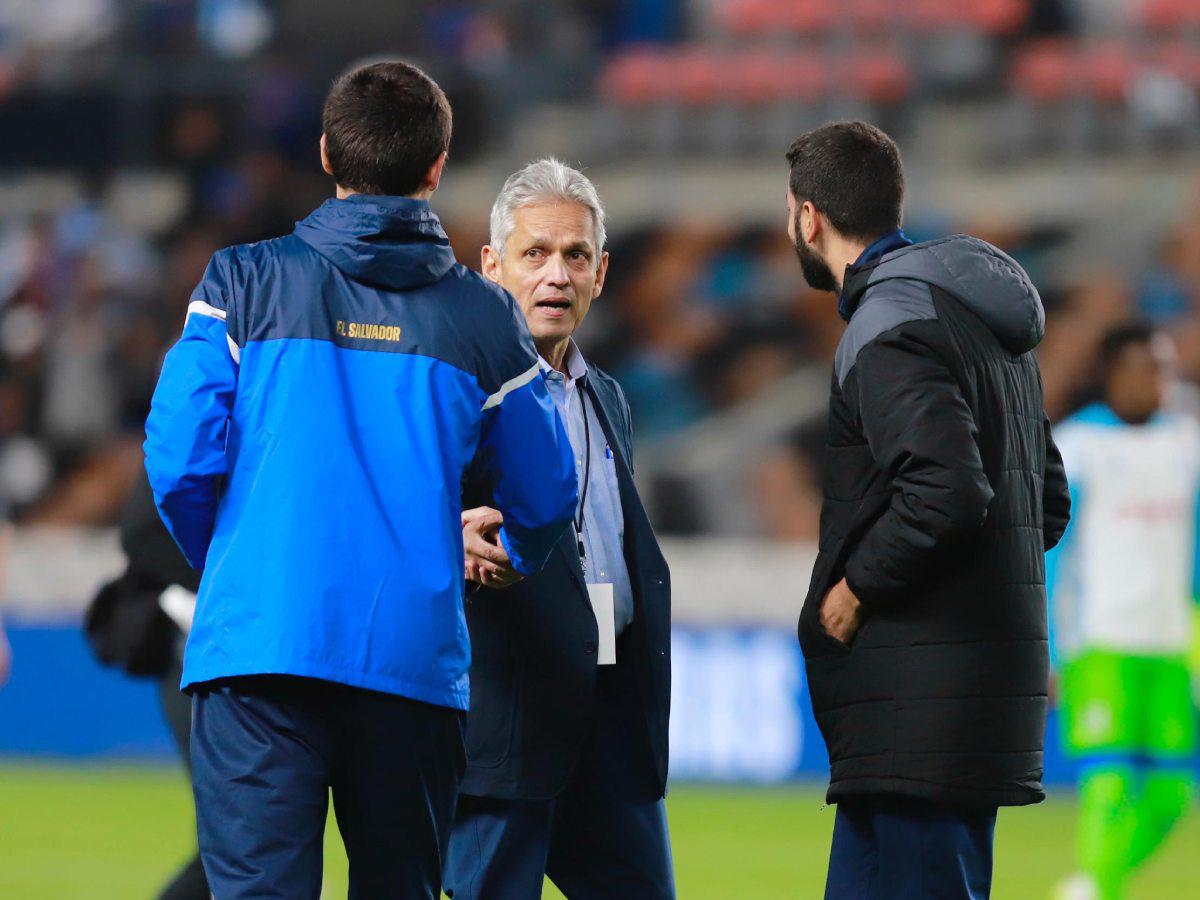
{"type": "Point", "coordinates": [519, 564]}
{"type": "Point", "coordinates": [867, 594]}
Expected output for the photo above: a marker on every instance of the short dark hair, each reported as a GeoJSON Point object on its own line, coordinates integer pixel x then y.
{"type": "Point", "coordinates": [851, 172]}
{"type": "Point", "coordinates": [385, 125]}
{"type": "Point", "coordinates": [1119, 338]}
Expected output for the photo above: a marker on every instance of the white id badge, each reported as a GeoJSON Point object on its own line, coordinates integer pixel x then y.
{"type": "Point", "coordinates": [601, 596]}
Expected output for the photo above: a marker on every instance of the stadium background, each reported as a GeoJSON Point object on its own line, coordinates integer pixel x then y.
{"type": "Point", "coordinates": [141, 135]}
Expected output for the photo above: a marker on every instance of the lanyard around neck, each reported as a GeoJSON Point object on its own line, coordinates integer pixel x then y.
{"type": "Point", "coordinates": [587, 473]}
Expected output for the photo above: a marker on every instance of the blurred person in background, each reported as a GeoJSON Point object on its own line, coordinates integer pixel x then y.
{"type": "Point", "coordinates": [5, 541]}
{"type": "Point", "coordinates": [571, 668]}
{"type": "Point", "coordinates": [1123, 585]}
{"type": "Point", "coordinates": [306, 446]}
{"type": "Point", "coordinates": [138, 623]}
{"type": "Point", "coordinates": [924, 630]}
{"type": "Point", "coordinates": [5, 647]}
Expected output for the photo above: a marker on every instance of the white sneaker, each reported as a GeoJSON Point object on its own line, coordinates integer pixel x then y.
{"type": "Point", "coordinates": [1077, 887]}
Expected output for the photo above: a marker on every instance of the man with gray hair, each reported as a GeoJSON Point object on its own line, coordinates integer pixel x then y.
{"type": "Point", "coordinates": [570, 678]}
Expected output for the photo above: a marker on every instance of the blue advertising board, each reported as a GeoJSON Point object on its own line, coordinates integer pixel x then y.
{"type": "Point", "coordinates": [740, 707]}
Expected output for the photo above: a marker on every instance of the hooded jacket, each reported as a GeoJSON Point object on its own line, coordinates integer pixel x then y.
{"type": "Point", "coordinates": [307, 440]}
{"type": "Point", "coordinates": [942, 490]}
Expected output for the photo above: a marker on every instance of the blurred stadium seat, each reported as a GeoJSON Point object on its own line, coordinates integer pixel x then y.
{"type": "Point", "coordinates": [1169, 16]}
{"type": "Point", "coordinates": [773, 19]}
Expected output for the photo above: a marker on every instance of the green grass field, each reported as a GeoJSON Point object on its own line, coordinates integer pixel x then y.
{"type": "Point", "coordinates": [71, 832]}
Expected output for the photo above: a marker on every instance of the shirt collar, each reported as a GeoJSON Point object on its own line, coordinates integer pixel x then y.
{"type": "Point", "coordinates": [877, 249]}
{"type": "Point", "coordinates": [573, 359]}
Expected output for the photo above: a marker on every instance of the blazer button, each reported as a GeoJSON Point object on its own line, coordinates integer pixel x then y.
{"type": "Point", "coordinates": [589, 647]}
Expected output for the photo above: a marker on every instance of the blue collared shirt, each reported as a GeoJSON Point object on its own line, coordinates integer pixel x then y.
{"type": "Point", "coordinates": [603, 516]}
{"type": "Point", "coordinates": [880, 247]}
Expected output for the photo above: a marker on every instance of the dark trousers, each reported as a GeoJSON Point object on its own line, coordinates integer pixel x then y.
{"type": "Point", "coordinates": [910, 850]}
{"type": "Point", "coordinates": [189, 882]}
{"type": "Point", "coordinates": [267, 751]}
{"type": "Point", "coordinates": [604, 836]}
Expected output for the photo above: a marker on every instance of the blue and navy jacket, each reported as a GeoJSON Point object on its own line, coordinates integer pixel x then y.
{"type": "Point", "coordinates": [307, 441]}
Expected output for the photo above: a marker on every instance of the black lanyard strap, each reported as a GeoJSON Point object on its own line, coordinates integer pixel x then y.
{"type": "Point", "coordinates": [587, 469]}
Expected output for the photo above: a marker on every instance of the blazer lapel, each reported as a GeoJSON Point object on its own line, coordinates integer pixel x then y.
{"type": "Point", "coordinates": [631, 503]}
{"type": "Point", "coordinates": [567, 544]}
{"type": "Point", "coordinates": [643, 556]}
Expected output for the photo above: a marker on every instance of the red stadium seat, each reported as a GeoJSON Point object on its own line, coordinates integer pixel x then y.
{"type": "Point", "coordinates": [996, 18]}
{"type": "Point", "coordinates": [870, 16]}
{"type": "Point", "coordinates": [805, 17]}
{"type": "Point", "coordinates": [1108, 71]}
{"type": "Point", "coordinates": [746, 18]}
{"type": "Point", "coordinates": [698, 76]}
{"type": "Point", "coordinates": [763, 18]}
{"type": "Point", "coordinates": [1169, 15]}
{"type": "Point", "coordinates": [639, 76]}
{"type": "Point", "coordinates": [1046, 71]}
{"type": "Point", "coordinates": [761, 77]}
{"type": "Point", "coordinates": [932, 16]}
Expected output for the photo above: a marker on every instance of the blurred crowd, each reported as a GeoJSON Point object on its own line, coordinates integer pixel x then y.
{"type": "Point", "coordinates": [88, 304]}
{"type": "Point", "coordinates": [696, 322]}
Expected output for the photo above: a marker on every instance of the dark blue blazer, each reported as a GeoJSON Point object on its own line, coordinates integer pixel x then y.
{"type": "Point", "coordinates": [533, 646]}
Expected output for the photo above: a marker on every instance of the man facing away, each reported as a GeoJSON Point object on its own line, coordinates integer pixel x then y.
{"type": "Point", "coordinates": [1123, 589]}
{"type": "Point", "coordinates": [570, 678]}
{"type": "Point", "coordinates": [924, 629]}
{"type": "Point", "coordinates": [306, 445]}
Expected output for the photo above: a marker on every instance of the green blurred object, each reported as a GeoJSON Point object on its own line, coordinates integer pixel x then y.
{"type": "Point", "coordinates": [1194, 656]}
{"type": "Point", "coordinates": [119, 832]}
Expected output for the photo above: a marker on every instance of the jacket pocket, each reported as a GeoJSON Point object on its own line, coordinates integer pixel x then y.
{"type": "Point", "coordinates": [815, 641]}
{"type": "Point", "coordinates": [492, 721]}
{"type": "Point", "coordinates": [820, 642]}
{"type": "Point", "coordinates": [824, 576]}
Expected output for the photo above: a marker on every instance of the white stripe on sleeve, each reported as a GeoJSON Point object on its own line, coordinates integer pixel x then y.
{"type": "Point", "coordinates": [204, 309]}
{"type": "Point", "coordinates": [200, 308]}
{"type": "Point", "coordinates": [512, 384]}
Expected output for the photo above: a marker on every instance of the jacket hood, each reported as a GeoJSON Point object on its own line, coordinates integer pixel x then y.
{"type": "Point", "coordinates": [395, 243]}
{"type": "Point", "coordinates": [983, 278]}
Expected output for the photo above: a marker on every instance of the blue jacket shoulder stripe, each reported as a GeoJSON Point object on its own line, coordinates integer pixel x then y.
{"type": "Point", "coordinates": [203, 308]}
{"type": "Point", "coordinates": [511, 385]}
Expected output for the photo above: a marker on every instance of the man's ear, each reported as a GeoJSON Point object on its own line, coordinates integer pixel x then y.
{"type": "Point", "coordinates": [490, 263]}
{"type": "Point", "coordinates": [325, 157]}
{"type": "Point", "coordinates": [600, 273]}
{"type": "Point", "coordinates": [810, 222]}
{"type": "Point", "coordinates": [434, 176]}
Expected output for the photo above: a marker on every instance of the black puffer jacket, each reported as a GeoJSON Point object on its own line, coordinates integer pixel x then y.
{"type": "Point", "coordinates": [942, 490]}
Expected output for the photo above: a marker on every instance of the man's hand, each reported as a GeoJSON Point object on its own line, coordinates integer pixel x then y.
{"type": "Point", "coordinates": [486, 561]}
{"type": "Point", "coordinates": [841, 613]}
